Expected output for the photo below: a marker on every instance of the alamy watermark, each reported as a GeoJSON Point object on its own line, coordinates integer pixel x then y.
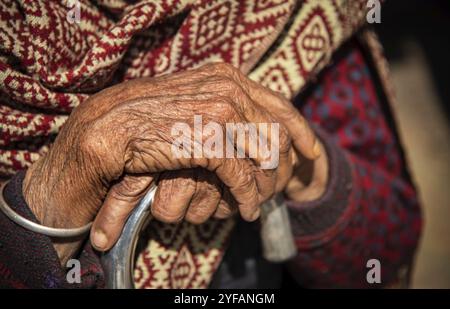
{"type": "Point", "coordinates": [373, 15]}
{"type": "Point", "coordinates": [74, 13]}
{"type": "Point", "coordinates": [74, 273]}
{"type": "Point", "coordinates": [236, 140]}
{"type": "Point", "coordinates": [374, 273]}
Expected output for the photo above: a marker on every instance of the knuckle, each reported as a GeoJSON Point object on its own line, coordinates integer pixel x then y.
{"type": "Point", "coordinates": [183, 186]}
{"type": "Point", "coordinates": [246, 179]}
{"type": "Point", "coordinates": [217, 68]}
{"type": "Point", "coordinates": [118, 193]}
{"type": "Point", "coordinates": [201, 209]}
{"type": "Point", "coordinates": [229, 84]}
{"type": "Point", "coordinates": [224, 68]}
{"type": "Point", "coordinates": [233, 88]}
{"type": "Point", "coordinates": [176, 183]}
{"type": "Point", "coordinates": [224, 211]}
{"type": "Point", "coordinates": [130, 189]}
{"type": "Point", "coordinates": [88, 144]}
{"type": "Point", "coordinates": [164, 215]}
{"type": "Point", "coordinates": [226, 109]}
{"type": "Point", "coordinates": [93, 142]}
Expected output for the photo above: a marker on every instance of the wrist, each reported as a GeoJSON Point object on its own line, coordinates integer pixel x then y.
{"type": "Point", "coordinates": [32, 194]}
{"type": "Point", "coordinates": [66, 187]}
{"type": "Point", "coordinates": [51, 202]}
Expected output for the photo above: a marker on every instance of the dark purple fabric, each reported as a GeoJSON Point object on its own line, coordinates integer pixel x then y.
{"type": "Point", "coordinates": [28, 259]}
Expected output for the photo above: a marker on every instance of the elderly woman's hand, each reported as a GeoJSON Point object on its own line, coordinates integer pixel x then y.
{"type": "Point", "coordinates": [116, 144]}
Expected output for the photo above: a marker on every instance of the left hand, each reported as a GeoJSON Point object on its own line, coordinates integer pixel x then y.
{"type": "Point", "coordinates": [307, 168]}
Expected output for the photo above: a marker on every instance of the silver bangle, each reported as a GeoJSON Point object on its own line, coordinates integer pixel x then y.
{"type": "Point", "coordinates": [35, 227]}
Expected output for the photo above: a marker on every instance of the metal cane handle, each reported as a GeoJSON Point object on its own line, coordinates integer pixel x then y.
{"type": "Point", "coordinates": [118, 263]}
{"type": "Point", "coordinates": [276, 234]}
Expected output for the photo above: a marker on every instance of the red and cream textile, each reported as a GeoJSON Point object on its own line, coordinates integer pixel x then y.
{"type": "Point", "coordinates": [50, 64]}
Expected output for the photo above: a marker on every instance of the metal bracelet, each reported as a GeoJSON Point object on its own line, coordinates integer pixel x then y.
{"type": "Point", "coordinates": [37, 228]}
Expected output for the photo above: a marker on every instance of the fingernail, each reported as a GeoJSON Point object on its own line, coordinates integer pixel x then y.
{"type": "Point", "coordinates": [316, 149]}
{"type": "Point", "coordinates": [100, 241]}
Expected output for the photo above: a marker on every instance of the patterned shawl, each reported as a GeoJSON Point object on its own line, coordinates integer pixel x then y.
{"type": "Point", "coordinates": [50, 63]}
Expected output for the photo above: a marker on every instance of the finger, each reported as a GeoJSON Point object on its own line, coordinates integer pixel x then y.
{"type": "Point", "coordinates": [272, 176]}
{"type": "Point", "coordinates": [239, 173]}
{"type": "Point", "coordinates": [274, 162]}
{"type": "Point", "coordinates": [240, 180]}
{"type": "Point", "coordinates": [266, 182]}
{"type": "Point", "coordinates": [227, 206]}
{"type": "Point", "coordinates": [285, 170]}
{"type": "Point", "coordinates": [266, 136]}
{"type": "Point", "coordinates": [249, 120]}
{"type": "Point", "coordinates": [173, 196]}
{"type": "Point", "coordinates": [200, 80]}
{"type": "Point", "coordinates": [238, 176]}
{"type": "Point", "coordinates": [206, 197]}
{"type": "Point", "coordinates": [258, 119]}
{"type": "Point", "coordinates": [119, 202]}
{"type": "Point", "coordinates": [303, 136]}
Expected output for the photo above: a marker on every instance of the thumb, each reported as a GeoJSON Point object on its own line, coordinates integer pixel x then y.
{"type": "Point", "coordinates": [119, 202]}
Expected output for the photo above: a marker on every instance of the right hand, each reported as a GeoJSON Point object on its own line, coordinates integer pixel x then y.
{"type": "Point", "coordinates": [115, 144]}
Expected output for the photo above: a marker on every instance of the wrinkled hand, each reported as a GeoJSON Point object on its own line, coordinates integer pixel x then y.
{"type": "Point", "coordinates": [117, 143]}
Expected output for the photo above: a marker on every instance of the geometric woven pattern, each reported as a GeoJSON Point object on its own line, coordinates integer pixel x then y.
{"type": "Point", "coordinates": [186, 254]}
{"type": "Point", "coordinates": [48, 66]}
